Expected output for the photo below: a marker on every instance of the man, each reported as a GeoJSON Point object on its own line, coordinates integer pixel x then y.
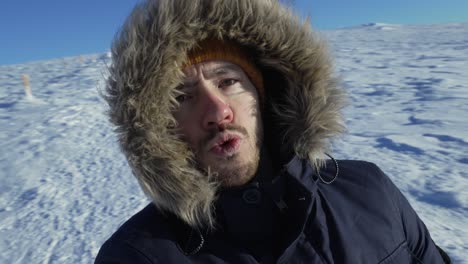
{"type": "Point", "coordinates": [224, 110]}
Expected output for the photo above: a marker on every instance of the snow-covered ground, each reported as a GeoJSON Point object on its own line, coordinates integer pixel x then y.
{"type": "Point", "coordinates": [65, 187]}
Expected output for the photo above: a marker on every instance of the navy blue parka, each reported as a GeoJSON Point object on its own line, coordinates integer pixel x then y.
{"type": "Point", "coordinates": [359, 218]}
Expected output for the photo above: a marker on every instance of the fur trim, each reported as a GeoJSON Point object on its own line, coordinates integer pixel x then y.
{"type": "Point", "coordinates": [148, 54]}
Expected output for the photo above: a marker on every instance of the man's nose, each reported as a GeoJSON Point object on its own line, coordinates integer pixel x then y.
{"type": "Point", "coordinates": [217, 111]}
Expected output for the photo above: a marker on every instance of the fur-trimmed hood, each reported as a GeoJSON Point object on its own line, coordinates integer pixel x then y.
{"type": "Point", "coordinates": [302, 105]}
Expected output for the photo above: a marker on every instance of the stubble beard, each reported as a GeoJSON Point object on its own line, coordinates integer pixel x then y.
{"type": "Point", "coordinates": [229, 171]}
{"type": "Point", "coordinates": [232, 173]}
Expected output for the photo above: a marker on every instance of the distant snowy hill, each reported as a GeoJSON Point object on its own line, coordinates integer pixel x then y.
{"type": "Point", "coordinates": [65, 186]}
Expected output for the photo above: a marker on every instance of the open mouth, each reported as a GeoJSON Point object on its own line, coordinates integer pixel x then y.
{"type": "Point", "coordinates": [226, 145]}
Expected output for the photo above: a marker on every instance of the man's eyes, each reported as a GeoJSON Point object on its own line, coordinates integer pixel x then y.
{"type": "Point", "coordinates": [227, 82]}
{"type": "Point", "coordinates": [182, 98]}
{"type": "Point", "coordinates": [222, 84]}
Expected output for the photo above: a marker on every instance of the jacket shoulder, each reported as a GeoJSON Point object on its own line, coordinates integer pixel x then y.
{"type": "Point", "coordinates": [121, 251]}
{"type": "Point", "coordinates": [360, 183]}
{"type": "Point", "coordinates": [147, 223]}
{"type": "Point", "coordinates": [364, 196]}
{"type": "Point", "coordinates": [362, 172]}
{"type": "Point", "coordinates": [356, 172]}
{"type": "Point", "coordinates": [142, 239]}
{"type": "Point", "coordinates": [360, 166]}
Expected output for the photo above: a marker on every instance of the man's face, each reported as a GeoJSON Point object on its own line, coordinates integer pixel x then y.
{"type": "Point", "coordinates": [219, 117]}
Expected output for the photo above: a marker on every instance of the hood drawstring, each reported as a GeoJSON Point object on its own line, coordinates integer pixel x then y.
{"type": "Point", "coordinates": [336, 174]}
{"type": "Point", "coordinates": [187, 251]}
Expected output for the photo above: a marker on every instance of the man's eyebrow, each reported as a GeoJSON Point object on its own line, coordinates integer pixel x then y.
{"type": "Point", "coordinates": [216, 71]}
{"type": "Point", "coordinates": [223, 69]}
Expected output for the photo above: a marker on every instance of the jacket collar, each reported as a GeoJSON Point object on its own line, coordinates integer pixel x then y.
{"type": "Point", "coordinates": [301, 170]}
{"type": "Point", "coordinates": [246, 212]}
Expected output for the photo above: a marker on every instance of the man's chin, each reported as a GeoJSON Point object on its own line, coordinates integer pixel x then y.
{"type": "Point", "coordinates": [233, 178]}
{"type": "Point", "coordinates": [232, 173]}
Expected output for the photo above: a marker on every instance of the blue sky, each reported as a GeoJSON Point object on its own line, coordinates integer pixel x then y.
{"type": "Point", "coordinates": [39, 30]}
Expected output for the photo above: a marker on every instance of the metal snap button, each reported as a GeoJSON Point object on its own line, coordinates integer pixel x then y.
{"type": "Point", "coordinates": [252, 196]}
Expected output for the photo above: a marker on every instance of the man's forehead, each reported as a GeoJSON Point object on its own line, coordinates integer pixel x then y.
{"type": "Point", "coordinates": [210, 68]}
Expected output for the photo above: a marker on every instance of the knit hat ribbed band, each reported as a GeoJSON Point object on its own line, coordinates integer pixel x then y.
{"type": "Point", "coordinates": [213, 49]}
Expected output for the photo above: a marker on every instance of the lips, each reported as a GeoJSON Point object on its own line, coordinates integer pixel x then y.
{"type": "Point", "coordinates": [226, 145]}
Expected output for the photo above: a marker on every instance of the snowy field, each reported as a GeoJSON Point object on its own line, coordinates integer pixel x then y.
{"type": "Point", "coordinates": [65, 187]}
